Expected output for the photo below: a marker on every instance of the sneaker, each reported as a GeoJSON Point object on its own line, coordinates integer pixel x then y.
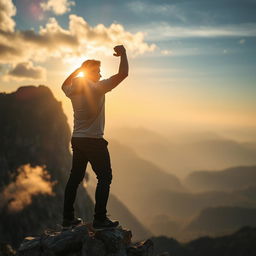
{"type": "Point", "coordinates": [104, 224]}
{"type": "Point", "coordinates": [66, 224]}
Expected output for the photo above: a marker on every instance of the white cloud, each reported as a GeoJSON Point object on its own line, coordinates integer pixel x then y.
{"type": "Point", "coordinates": [23, 48]}
{"type": "Point", "coordinates": [57, 6]}
{"type": "Point", "coordinates": [104, 38]}
{"type": "Point", "coordinates": [30, 181]}
{"type": "Point", "coordinates": [164, 31]}
{"type": "Point", "coordinates": [166, 52]}
{"type": "Point", "coordinates": [7, 10]}
{"type": "Point", "coordinates": [79, 39]}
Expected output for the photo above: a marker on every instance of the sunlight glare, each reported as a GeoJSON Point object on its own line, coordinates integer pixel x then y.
{"type": "Point", "coordinates": [75, 62]}
{"type": "Point", "coordinates": [80, 74]}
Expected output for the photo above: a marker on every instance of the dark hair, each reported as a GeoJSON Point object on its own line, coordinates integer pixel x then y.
{"type": "Point", "coordinates": [88, 64]}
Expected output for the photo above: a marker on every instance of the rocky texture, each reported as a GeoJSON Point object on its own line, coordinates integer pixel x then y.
{"type": "Point", "coordinates": [84, 241]}
{"type": "Point", "coordinates": [34, 131]}
{"type": "Point", "coordinates": [6, 250]}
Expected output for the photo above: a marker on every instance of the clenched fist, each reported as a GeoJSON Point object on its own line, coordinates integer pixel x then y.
{"type": "Point", "coordinates": [119, 50]}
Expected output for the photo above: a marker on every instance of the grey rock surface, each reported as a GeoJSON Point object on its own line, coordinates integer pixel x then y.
{"type": "Point", "coordinates": [83, 240]}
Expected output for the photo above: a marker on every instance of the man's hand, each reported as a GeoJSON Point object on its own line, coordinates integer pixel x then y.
{"type": "Point", "coordinates": [71, 76]}
{"type": "Point", "coordinates": [119, 50]}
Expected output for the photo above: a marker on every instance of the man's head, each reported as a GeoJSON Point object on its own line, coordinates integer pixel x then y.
{"type": "Point", "coordinates": [91, 69]}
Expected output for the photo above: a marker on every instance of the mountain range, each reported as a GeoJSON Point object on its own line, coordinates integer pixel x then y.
{"type": "Point", "coordinates": [146, 196]}
{"type": "Point", "coordinates": [186, 152]}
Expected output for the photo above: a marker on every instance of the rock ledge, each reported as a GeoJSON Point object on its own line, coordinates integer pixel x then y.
{"type": "Point", "coordinates": [84, 241]}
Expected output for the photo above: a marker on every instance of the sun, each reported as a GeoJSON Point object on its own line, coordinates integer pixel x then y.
{"type": "Point", "coordinates": [80, 74]}
{"type": "Point", "coordinates": [75, 62]}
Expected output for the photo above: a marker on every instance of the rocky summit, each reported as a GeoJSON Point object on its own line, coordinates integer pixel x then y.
{"type": "Point", "coordinates": [83, 240]}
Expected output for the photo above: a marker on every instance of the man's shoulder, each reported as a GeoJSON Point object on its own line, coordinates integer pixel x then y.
{"type": "Point", "coordinates": [104, 85]}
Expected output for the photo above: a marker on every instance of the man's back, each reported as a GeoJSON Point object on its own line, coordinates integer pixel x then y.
{"type": "Point", "coordinates": [89, 109]}
{"type": "Point", "coordinates": [88, 95]}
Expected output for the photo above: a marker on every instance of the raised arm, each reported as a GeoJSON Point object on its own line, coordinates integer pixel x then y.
{"type": "Point", "coordinates": [70, 77]}
{"type": "Point", "coordinates": [123, 66]}
{"type": "Point", "coordinates": [67, 84]}
{"type": "Point", "coordinates": [108, 84]}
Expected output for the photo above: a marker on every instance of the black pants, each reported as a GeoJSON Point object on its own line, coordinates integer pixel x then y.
{"type": "Point", "coordinates": [95, 151]}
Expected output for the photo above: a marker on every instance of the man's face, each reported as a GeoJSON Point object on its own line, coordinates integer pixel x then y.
{"type": "Point", "coordinates": [94, 74]}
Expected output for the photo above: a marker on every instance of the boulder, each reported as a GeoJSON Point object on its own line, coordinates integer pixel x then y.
{"type": "Point", "coordinates": [83, 240]}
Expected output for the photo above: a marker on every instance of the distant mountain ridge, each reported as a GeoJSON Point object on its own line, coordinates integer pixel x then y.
{"type": "Point", "coordinates": [34, 130]}
{"type": "Point", "coordinates": [187, 152]}
{"type": "Point", "coordinates": [120, 211]}
{"type": "Point", "coordinates": [233, 178]}
{"type": "Point", "coordinates": [215, 220]}
{"type": "Point", "coordinates": [241, 242]}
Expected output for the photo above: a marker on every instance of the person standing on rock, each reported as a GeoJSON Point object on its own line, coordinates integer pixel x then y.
{"type": "Point", "coordinates": [87, 94]}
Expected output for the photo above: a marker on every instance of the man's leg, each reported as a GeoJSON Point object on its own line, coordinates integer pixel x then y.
{"type": "Point", "coordinates": [100, 160]}
{"type": "Point", "coordinates": [79, 163]}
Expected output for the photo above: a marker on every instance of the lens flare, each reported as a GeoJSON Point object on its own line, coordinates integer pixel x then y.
{"type": "Point", "coordinates": [80, 74]}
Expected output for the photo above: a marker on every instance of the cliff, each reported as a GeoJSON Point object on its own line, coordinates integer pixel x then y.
{"type": "Point", "coordinates": [35, 163]}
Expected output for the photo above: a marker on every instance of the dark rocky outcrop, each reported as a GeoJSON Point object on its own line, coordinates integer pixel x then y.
{"type": "Point", "coordinates": [84, 241]}
{"type": "Point", "coordinates": [34, 131]}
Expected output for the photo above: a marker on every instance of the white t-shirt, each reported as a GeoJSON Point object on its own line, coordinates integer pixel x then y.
{"type": "Point", "coordinates": [88, 101]}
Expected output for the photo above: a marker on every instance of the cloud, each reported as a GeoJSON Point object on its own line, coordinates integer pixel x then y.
{"type": "Point", "coordinates": [30, 181]}
{"type": "Point", "coordinates": [21, 49]}
{"type": "Point", "coordinates": [104, 38]}
{"type": "Point", "coordinates": [79, 39]}
{"type": "Point", "coordinates": [7, 52]}
{"type": "Point", "coordinates": [166, 52]}
{"type": "Point", "coordinates": [26, 70]}
{"type": "Point", "coordinates": [7, 10]}
{"type": "Point", "coordinates": [164, 31]}
{"type": "Point", "coordinates": [57, 6]}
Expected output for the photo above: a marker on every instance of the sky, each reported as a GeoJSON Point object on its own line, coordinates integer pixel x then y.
{"type": "Point", "coordinates": [192, 62]}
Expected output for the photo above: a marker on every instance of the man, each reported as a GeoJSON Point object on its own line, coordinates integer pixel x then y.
{"type": "Point", "coordinates": [87, 95]}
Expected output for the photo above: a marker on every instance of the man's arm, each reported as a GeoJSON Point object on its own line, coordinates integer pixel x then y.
{"type": "Point", "coordinates": [67, 84]}
{"type": "Point", "coordinates": [108, 84]}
